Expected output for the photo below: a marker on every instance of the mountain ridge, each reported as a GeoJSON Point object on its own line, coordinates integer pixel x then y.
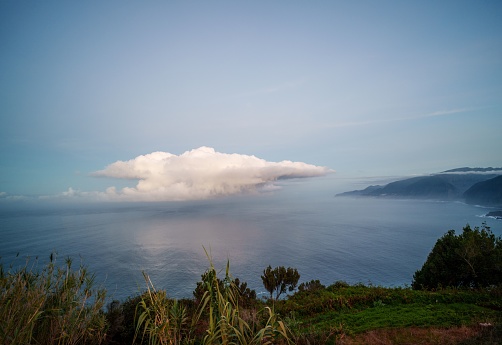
{"type": "Point", "coordinates": [468, 169]}
{"type": "Point", "coordinates": [487, 192]}
{"type": "Point", "coordinates": [472, 185]}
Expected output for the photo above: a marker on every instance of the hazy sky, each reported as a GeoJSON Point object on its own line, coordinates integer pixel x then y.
{"type": "Point", "coordinates": [361, 87]}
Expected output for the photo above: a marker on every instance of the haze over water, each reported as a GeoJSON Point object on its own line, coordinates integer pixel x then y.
{"type": "Point", "coordinates": [377, 241]}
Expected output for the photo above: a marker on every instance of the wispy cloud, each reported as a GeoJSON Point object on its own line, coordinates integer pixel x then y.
{"type": "Point", "coordinates": [399, 119]}
{"type": "Point", "coordinates": [10, 197]}
{"type": "Point", "coordinates": [198, 174]}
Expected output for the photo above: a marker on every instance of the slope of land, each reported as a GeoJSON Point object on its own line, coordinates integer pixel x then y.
{"type": "Point", "coordinates": [473, 185]}
{"type": "Point", "coordinates": [359, 314]}
{"type": "Point", "coordinates": [487, 192]}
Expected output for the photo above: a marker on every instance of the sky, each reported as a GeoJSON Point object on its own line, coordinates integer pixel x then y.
{"type": "Point", "coordinates": [128, 99]}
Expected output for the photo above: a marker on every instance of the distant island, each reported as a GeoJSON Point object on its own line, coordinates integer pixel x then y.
{"type": "Point", "coordinates": [479, 186]}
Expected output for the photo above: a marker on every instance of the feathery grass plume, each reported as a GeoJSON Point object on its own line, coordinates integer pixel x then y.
{"type": "Point", "coordinates": [163, 321]}
{"type": "Point", "coordinates": [166, 321]}
{"type": "Point", "coordinates": [21, 300]}
{"type": "Point", "coordinates": [73, 308]}
{"type": "Point", "coordinates": [56, 305]}
{"type": "Point", "coordinates": [226, 326]}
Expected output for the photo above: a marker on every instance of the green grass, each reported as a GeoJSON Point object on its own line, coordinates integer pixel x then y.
{"type": "Point", "coordinates": [399, 316]}
{"type": "Point", "coordinates": [342, 309]}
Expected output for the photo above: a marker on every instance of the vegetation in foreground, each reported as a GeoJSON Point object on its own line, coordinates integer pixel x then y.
{"type": "Point", "coordinates": [446, 304]}
{"type": "Point", "coordinates": [57, 305]}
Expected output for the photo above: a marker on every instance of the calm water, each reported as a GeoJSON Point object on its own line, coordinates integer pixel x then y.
{"type": "Point", "coordinates": [376, 241]}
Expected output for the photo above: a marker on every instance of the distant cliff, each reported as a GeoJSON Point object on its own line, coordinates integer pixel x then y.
{"type": "Point", "coordinates": [457, 184]}
{"type": "Point", "coordinates": [487, 192]}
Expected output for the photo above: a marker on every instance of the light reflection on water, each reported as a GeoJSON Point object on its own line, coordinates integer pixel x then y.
{"type": "Point", "coordinates": [357, 240]}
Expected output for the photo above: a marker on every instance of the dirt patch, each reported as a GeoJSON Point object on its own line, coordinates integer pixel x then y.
{"type": "Point", "coordinates": [479, 334]}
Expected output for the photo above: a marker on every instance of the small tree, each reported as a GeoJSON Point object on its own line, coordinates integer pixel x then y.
{"type": "Point", "coordinates": [246, 296]}
{"type": "Point", "coordinates": [471, 259]}
{"type": "Point", "coordinates": [279, 280]}
{"type": "Point", "coordinates": [313, 285]}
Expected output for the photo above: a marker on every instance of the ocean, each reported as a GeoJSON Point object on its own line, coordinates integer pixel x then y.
{"type": "Point", "coordinates": [302, 225]}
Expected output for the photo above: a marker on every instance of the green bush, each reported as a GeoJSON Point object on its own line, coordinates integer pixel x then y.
{"type": "Point", "coordinates": [246, 296]}
{"type": "Point", "coordinates": [312, 285]}
{"type": "Point", "coordinates": [471, 259]}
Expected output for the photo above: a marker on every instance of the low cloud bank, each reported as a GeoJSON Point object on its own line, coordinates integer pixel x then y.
{"type": "Point", "coordinates": [199, 174]}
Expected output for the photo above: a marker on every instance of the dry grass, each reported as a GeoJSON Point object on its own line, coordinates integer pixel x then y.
{"type": "Point", "coordinates": [427, 336]}
{"type": "Point", "coordinates": [52, 305]}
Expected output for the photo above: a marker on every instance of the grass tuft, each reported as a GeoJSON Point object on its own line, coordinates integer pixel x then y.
{"type": "Point", "coordinates": [54, 305]}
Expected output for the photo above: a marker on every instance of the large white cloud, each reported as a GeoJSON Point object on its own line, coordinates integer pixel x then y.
{"type": "Point", "coordinates": [200, 174]}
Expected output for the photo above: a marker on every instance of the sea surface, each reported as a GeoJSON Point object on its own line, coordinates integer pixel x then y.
{"type": "Point", "coordinates": [302, 225]}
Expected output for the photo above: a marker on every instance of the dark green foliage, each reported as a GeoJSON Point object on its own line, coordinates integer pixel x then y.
{"type": "Point", "coordinates": [120, 318]}
{"type": "Point", "coordinates": [339, 285]}
{"type": "Point", "coordinates": [246, 298]}
{"type": "Point", "coordinates": [280, 280]}
{"type": "Point", "coordinates": [312, 285]}
{"type": "Point", "coordinates": [471, 259]}
{"type": "Point", "coordinates": [115, 321]}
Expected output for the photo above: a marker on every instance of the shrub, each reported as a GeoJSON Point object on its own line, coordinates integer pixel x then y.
{"type": "Point", "coordinates": [246, 296]}
{"type": "Point", "coordinates": [471, 259]}
{"type": "Point", "coordinates": [339, 284]}
{"type": "Point", "coordinates": [313, 285]}
{"type": "Point", "coordinates": [120, 317]}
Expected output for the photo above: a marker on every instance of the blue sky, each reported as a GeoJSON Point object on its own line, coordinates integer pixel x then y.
{"type": "Point", "coordinates": [365, 88]}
